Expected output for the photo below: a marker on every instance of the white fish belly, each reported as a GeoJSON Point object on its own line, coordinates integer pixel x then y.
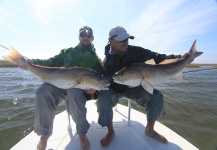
{"type": "Point", "coordinates": [61, 83]}
{"type": "Point", "coordinates": [161, 79]}
{"type": "Point", "coordinates": [132, 82]}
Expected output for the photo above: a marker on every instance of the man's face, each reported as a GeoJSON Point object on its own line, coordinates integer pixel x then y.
{"type": "Point", "coordinates": [86, 38]}
{"type": "Point", "coordinates": [119, 45]}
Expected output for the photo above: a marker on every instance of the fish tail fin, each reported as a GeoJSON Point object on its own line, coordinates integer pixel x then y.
{"type": "Point", "coordinates": [194, 53]}
{"type": "Point", "coordinates": [14, 56]}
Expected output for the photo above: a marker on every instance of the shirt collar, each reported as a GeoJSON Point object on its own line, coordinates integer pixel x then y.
{"type": "Point", "coordinates": [89, 47]}
{"type": "Point", "coordinates": [112, 51]}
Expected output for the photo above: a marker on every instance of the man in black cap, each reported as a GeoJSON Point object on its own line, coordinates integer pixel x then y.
{"type": "Point", "coordinates": [119, 55]}
{"type": "Point", "coordinates": [48, 96]}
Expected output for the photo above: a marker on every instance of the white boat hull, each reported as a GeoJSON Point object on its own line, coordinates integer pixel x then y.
{"type": "Point", "coordinates": [127, 136]}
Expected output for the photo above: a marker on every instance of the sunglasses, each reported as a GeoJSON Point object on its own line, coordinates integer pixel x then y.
{"type": "Point", "coordinates": [124, 40]}
{"type": "Point", "coordinates": [82, 35]}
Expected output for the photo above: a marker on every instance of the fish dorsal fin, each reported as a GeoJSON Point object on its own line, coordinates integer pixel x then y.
{"type": "Point", "coordinates": [150, 62]}
{"type": "Point", "coordinates": [147, 86]}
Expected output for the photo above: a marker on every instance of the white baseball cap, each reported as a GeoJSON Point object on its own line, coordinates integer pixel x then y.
{"type": "Point", "coordinates": [119, 34]}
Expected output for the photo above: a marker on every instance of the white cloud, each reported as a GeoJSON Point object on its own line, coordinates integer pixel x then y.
{"type": "Point", "coordinates": [165, 23]}
{"type": "Point", "coordinates": [46, 9]}
{"type": "Point", "coordinates": [5, 21]}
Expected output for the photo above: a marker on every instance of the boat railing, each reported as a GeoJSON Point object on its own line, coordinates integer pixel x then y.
{"type": "Point", "coordinates": [69, 127]}
{"type": "Point", "coordinates": [129, 111]}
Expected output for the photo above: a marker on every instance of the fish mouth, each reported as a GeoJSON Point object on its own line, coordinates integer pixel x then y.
{"type": "Point", "coordinates": [118, 81]}
{"type": "Point", "coordinates": [115, 78]}
{"type": "Point", "coordinates": [107, 84]}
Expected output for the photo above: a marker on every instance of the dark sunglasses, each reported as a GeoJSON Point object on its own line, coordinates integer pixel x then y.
{"type": "Point", "coordinates": [124, 40]}
{"type": "Point", "coordinates": [82, 35]}
{"type": "Point", "coordinates": [112, 37]}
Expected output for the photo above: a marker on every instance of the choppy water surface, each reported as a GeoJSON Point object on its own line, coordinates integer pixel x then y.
{"type": "Point", "coordinates": [191, 106]}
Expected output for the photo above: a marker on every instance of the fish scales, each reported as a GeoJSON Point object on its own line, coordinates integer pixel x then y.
{"type": "Point", "coordinates": [74, 77]}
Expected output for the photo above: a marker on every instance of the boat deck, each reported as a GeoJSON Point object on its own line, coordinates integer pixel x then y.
{"type": "Point", "coordinates": [128, 136]}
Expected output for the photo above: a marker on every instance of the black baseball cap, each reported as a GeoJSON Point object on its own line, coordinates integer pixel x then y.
{"type": "Point", "coordinates": [87, 30]}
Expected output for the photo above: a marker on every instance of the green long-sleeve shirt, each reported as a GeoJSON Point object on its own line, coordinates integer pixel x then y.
{"type": "Point", "coordinates": [80, 56]}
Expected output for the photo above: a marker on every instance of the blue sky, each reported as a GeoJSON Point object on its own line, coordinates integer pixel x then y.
{"type": "Point", "coordinates": [41, 28]}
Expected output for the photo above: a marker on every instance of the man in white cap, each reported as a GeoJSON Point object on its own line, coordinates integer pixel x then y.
{"type": "Point", "coordinates": [119, 55]}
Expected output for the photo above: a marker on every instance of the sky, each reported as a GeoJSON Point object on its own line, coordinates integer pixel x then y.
{"type": "Point", "coordinates": [42, 28]}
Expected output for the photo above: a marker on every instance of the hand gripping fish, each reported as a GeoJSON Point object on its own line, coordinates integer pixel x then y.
{"type": "Point", "coordinates": [145, 74]}
{"type": "Point", "coordinates": [64, 78]}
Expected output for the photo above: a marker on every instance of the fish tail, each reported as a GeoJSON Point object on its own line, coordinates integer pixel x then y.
{"type": "Point", "coordinates": [14, 56]}
{"type": "Point", "coordinates": [194, 52]}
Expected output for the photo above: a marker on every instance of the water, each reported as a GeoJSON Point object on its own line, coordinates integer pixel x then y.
{"type": "Point", "coordinates": [191, 106]}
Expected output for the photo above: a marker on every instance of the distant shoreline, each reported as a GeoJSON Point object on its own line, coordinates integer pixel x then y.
{"type": "Point", "coordinates": [4, 63]}
{"type": "Point", "coordinates": [200, 65]}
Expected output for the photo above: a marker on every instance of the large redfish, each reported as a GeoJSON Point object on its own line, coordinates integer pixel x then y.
{"type": "Point", "coordinates": [64, 78]}
{"type": "Point", "coordinates": [147, 74]}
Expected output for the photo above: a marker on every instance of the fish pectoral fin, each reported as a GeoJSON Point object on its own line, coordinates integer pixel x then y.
{"type": "Point", "coordinates": [79, 86]}
{"type": "Point", "coordinates": [179, 76]}
{"type": "Point", "coordinates": [76, 85]}
{"type": "Point", "coordinates": [147, 86]}
{"type": "Point", "coordinates": [150, 62]}
{"type": "Point", "coordinates": [86, 77]}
